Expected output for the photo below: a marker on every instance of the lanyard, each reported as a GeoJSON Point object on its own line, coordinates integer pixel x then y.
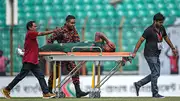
{"type": "Point", "coordinates": [159, 35]}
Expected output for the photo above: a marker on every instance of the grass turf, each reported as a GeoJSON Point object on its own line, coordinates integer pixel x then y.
{"type": "Point", "coordinates": [94, 99]}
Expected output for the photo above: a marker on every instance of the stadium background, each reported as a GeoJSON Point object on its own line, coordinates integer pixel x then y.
{"type": "Point", "coordinates": [102, 16]}
{"type": "Point", "coordinates": [99, 15]}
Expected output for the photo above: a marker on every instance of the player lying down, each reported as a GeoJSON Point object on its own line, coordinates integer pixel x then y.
{"type": "Point", "coordinates": [100, 40]}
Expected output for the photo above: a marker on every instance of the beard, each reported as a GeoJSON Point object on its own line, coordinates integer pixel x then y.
{"type": "Point", "coordinates": [71, 27]}
{"type": "Point", "coordinates": [158, 26]}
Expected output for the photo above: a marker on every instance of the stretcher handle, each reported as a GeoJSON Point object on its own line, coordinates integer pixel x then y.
{"type": "Point", "coordinates": [83, 47]}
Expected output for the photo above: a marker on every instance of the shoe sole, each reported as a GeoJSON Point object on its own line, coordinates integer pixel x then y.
{"type": "Point", "coordinates": [159, 97]}
{"type": "Point", "coordinates": [4, 94]}
{"type": "Point", "coordinates": [49, 97]}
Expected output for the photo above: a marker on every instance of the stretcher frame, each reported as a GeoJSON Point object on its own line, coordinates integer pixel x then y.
{"type": "Point", "coordinates": [83, 57]}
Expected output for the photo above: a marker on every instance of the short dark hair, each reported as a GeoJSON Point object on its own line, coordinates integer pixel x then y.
{"type": "Point", "coordinates": [29, 24]}
{"type": "Point", "coordinates": [69, 17]}
{"type": "Point", "coordinates": [159, 17]}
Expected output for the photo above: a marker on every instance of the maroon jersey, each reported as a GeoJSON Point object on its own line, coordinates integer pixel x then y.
{"type": "Point", "coordinates": [64, 36]}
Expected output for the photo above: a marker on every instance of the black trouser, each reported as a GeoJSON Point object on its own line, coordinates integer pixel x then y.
{"type": "Point", "coordinates": [36, 70]}
{"type": "Point", "coordinates": [154, 64]}
{"type": "Point", "coordinates": [69, 65]}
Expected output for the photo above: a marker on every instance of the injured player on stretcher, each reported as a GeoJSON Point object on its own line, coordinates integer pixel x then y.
{"type": "Point", "coordinates": [100, 41]}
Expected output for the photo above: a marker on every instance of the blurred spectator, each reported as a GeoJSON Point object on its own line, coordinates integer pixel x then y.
{"type": "Point", "coordinates": [4, 61]}
{"type": "Point", "coordinates": [174, 61]}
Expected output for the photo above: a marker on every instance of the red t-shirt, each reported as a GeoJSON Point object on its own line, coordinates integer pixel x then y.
{"type": "Point", "coordinates": [31, 48]}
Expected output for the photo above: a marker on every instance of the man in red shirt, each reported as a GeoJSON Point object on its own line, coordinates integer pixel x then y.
{"type": "Point", "coordinates": [30, 61]}
{"type": "Point", "coordinates": [67, 34]}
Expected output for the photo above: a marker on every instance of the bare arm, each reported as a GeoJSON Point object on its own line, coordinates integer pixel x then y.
{"type": "Point", "coordinates": [140, 41]}
{"type": "Point", "coordinates": [55, 35]}
{"type": "Point", "coordinates": [168, 41]}
{"type": "Point", "coordinates": [45, 33]}
{"type": "Point", "coordinates": [100, 36]}
{"type": "Point", "coordinates": [166, 53]}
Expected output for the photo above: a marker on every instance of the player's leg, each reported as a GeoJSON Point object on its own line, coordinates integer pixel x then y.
{"type": "Point", "coordinates": [24, 72]}
{"type": "Point", "coordinates": [143, 81]}
{"type": "Point", "coordinates": [75, 78]}
{"type": "Point", "coordinates": [155, 73]}
{"type": "Point", "coordinates": [40, 76]}
{"type": "Point", "coordinates": [50, 79]}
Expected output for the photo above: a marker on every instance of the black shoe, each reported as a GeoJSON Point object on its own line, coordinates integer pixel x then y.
{"type": "Point", "coordinates": [158, 96]}
{"type": "Point", "coordinates": [136, 88]}
{"type": "Point", "coordinates": [81, 94]}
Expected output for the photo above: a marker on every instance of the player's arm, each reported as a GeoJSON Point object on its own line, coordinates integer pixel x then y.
{"type": "Point", "coordinates": [166, 53]}
{"type": "Point", "coordinates": [57, 30]}
{"type": "Point", "coordinates": [168, 41]}
{"type": "Point", "coordinates": [46, 33]}
{"type": "Point", "coordinates": [140, 41]}
{"type": "Point", "coordinates": [144, 36]}
{"type": "Point", "coordinates": [101, 37]}
{"type": "Point", "coordinates": [55, 35]}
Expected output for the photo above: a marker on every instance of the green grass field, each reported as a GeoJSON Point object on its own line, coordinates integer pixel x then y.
{"type": "Point", "coordinates": [95, 99]}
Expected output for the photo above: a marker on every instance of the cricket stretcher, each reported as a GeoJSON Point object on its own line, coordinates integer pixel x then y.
{"type": "Point", "coordinates": [82, 57]}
